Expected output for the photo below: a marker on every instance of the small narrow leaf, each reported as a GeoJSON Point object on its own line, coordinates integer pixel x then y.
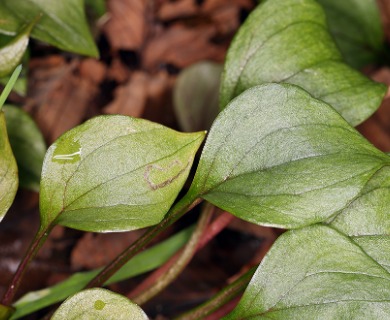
{"type": "Point", "coordinates": [8, 170]}
{"type": "Point", "coordinates": [62, 24]}
{"type": "Point", "coordinates": [27, 145]}
{"type": "Point", "coordinates": [316, 273]}
{"type": "Point", "coordinates": [196, 95]}
{"type": "Point", "coordinates": [288, 41]}
{"type": "Point", "coordinates": [277, 156]}
{"type": "Point", "coordinates": [358, 32]}
{"type": "Point", "coordinates": [115, 173]}
{"type": "Point", "coordinates": [98, 304]}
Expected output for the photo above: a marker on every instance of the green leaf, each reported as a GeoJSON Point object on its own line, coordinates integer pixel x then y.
{"type": "Point", "coordinates": [27, 145]}
{"type": "Point", "coordinates": [358, 32]}
{"type": "Point", "coordinates": [277, 156]}
{"type": "Point", "coordinates": [288, 41]}
{"type": "Point", "coordinates": [8, 170]}
{"type": "Point", "coordinates": [98, 304]}
{"type": "Point", "coordinates": [195, 95]}
{"type": "Point", "coordinates": [62, 24]}
{"type": "Point", "coordinates": [146, 261]}
{"type": "Point", "coordinates": [12, 53]}
{"type": "Point", "coordinates": [115, 173]}
{"type": "Point", "coordinates": [316, 273]}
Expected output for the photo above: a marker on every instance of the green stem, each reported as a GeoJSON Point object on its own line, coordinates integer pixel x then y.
{"type": "Point", "coordinates": [10, 85]}
{"type": "Point", "coordinates": [220, 299]}
{"type": "Point", "coordinates": [178, 210]}
{"type": "Point", "coordinates": [180, 263]}
{"type": "Point", "coordinates": [32, 251]}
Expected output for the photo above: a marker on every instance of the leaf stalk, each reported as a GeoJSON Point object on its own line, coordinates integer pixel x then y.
{"type": "Point", "coordinates": [177, 211]}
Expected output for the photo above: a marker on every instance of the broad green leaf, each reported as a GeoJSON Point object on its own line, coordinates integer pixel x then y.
{"type": "Point", "coordinates": [62, 23]}
{"type": "Point", "coordinates": [115, 173]}
{"type": "Point", "coordinates": [288, 41]}
{"type": "Point", "coordinates": [356, 28]}
{"type": "Point", "coordinates": [144, 262]}
{"type": "Point", "coordinates": [8, 170]}
{"type": "Point", "coordinates": [316, 273]}
{"type": "Point", "coordinates": [12, 53]}
{"type": "Point", "coordinates": [27, 145]}
{"type": "Point", "coordinates": [98, 303]}
{"type": "Point", "coordinates": [277, 156]}
{"type": "Point", "coordinates": [196, 95]}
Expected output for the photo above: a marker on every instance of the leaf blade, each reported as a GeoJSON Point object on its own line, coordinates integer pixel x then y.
{"type": "Point", "coordinates": [27, 144]}
{"type": "Point", "coordinates": [316, 272]}
{"type": "Point", "coordinates": [63, 23]}
{"type": "Point", "coordinates": [276, 156]}
{"type": "Point", "coordinates": [131, 172]}
{"type": "Point", "coordinates": [8, 170]}
{"type": "Point", "coordinates": [358, 33]}
{"type": "Point", "coordinates": [98, 303]}
{"type": "Point", "coordinates": [195, 95]}
{"type": "Point", "coordinates": [295, 47]}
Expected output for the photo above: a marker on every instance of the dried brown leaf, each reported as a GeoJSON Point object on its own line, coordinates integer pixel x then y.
{"type": "Point", "coordinates": [126, 27]}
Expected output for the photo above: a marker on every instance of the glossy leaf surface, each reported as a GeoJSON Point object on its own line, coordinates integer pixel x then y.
{"type": "Point", "coordinates": [62, 24]}
{"type": "Point", "coordinates": [11, 53]}
{"type": "Point", "coordinates": [277, 156]}
{"type": "Point", "coordinates": [288, 41]}
{"type": "Point", "coordinates": [27, 145]}
{"type": "Point", "coordinates": [115, 173]}
{"type": "Point", "coordinates": [196, 95]}
{"type": "Point", "coordinates": [145, 261]}
{"type": "Point", "coordinates": [358, 32]}
{"type": "Point", "coordinates": [98, 304]}
{"type": "Point", "coordinates": [316, 273]}
{"type": "Point", "coordinates": [8, 170]}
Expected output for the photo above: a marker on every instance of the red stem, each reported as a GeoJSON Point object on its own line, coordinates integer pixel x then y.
{"type": "Point", "coordinates": [212, 230]}
{"type": "Point", "coordinates": [32, 251]}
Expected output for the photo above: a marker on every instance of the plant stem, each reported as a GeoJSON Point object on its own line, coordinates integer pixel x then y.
{"type": "Point", "coordinates": [178, 210]}
{"type": "Point", "coordinates": [181, 261]}
{"type": "Point", "coordinates": [220, 299]}
{"type": "Point", "coordinates": [10, 85]}
{"type": "Point", "coordinates": [32, 251]}
{"type": "Point", "coordinates": [212, 230]}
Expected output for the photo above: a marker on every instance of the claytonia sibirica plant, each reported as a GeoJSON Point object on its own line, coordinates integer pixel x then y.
{"type": "Point", "coordinates": [282, 152]}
